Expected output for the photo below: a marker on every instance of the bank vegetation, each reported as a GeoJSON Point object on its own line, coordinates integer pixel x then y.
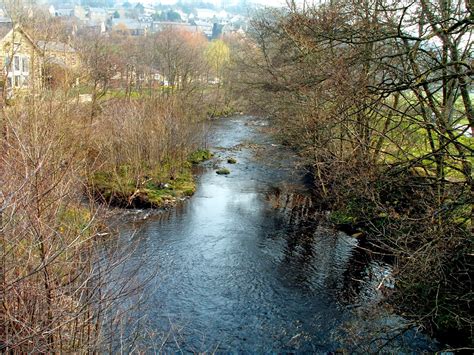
{"type": "Point", "coordinates": [377, 96]}
{"type": "Point", "coordinates": [124, 130]}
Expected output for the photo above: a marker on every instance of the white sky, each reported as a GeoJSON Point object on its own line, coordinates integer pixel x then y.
{"type": "Point", "coordinates": [217, 2]}
{"type": "Point", "coordinates": [268, 2]}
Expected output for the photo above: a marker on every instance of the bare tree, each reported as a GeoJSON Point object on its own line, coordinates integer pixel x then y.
{"type": "Point", "coordinates": [375, 95]}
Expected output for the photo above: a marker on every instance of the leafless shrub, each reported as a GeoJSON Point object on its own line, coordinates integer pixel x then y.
{"type": "Point", "coordinates": [55, 290]}
{"type": "Point", "coordinates": [375, 106]}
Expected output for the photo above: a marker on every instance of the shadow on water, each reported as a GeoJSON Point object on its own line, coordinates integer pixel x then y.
{"type": "Point", "coordinates": [247, 264]}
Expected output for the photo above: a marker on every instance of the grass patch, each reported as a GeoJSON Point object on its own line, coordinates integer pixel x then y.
{"type": "Point", "coordinates": [342, 218]}
{"type": "Point", "coordinates": [153, 188]}
{"type": "Point", "coordinates": [145, 186]}
{"type": "Point", "coordinates": [232, 161]}
{"type": "Point", "coordinates": [75, 219]}
{"type": "Point", "coordinates": [121, 93]}
{"type": "Point", "coordinates": [199, 156]}
{"type": "Point", "coordinates": [224, 111]}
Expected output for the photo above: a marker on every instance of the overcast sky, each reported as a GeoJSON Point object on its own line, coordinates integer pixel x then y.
{"type": "Point", "coordinates": [223, 2]}
{"type": "Point", "coordinates": [216, 2]}
{"type": "Point", "coordinates": [269, 2]}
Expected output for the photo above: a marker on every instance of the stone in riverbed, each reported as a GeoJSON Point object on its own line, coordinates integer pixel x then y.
{"type": "Point", "coordinates": [223, 171]}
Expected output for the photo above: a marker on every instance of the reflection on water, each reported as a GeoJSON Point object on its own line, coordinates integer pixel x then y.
{"type": "Point", "coordinates": [246, 265]}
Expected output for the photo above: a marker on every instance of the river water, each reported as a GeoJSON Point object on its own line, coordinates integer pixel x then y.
{"type": "Point", "coordinates": [246, 264]}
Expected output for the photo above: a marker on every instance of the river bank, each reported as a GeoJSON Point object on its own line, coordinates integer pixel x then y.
{"type": "Point", "coordinates": [153, 187]}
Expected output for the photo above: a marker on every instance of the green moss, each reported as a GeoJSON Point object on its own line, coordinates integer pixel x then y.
{"type": "Point", "coordinates": [74, 218]}
{"type": "Point", "coordinates": [223, 111]}
{"type": "Point", "coordinates": [231, 160]}
{"type": "Point", "coordinates": [151, 188]}
{"type": "Point", "coordinates": [199, 156]}
{"type": "Point", "coordinates": [341, 217]}
{"type": "Point", "coordinates": [223, 171]}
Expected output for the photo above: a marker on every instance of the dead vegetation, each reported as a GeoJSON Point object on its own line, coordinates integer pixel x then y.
{"type": "Point", "coordinates": [383, 117]}
{"type": "Point", "coordinates": [128, 144]}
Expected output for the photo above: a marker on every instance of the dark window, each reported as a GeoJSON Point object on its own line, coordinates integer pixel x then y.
{"type": "Point", "coordinates": [17, 62]}
{"type": "Point", "coordinates": [26, 64]}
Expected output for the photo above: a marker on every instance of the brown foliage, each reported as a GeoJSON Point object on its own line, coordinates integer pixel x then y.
{"type": "Point", "coordinates": [374, 106]}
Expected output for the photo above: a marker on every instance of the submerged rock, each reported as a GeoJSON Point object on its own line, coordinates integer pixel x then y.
{"type": "Point", "coordinates": [223, 171]}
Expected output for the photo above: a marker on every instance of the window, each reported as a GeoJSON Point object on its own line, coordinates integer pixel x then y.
{"type": "Point", "coordinates": [25, 81]}
{"type": "Point", "coordinates": [17, 62]}
{"type": "Point", "coordinates": [7, 61]}
{"type": "Point", "coordinates": [17, 81]}
{"type": "Point", "coordinates": [25, 67]}
{"type": "Point", "coordinates": [10, 83]}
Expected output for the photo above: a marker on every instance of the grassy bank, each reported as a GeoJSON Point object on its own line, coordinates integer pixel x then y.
{"type": "Point", "coordinates": [160, 186]}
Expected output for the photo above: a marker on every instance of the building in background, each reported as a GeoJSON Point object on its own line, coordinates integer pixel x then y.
{"type": "Point", "coordinates": [21, 61]}
{"type": "Point", "coordinates": [28, 66]}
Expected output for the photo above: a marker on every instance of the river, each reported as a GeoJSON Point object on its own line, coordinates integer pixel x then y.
{"type": "Point", "coordinates": [246, 264]}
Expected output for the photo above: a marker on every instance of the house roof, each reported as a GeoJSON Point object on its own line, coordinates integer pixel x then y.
{"type": "Point", "coordinates": [55, 46]}
{"type": "Point", "coordinates": [159, 25]}
{"type": "Point", "coordinates": [93, 23]}
{"type": "Point", "coordinates": [98, 10]}
{"type": "Point", "coordinates": [55, 61]}
{"type": "Point", "coordinates": [19, 29]}
{"type": "Point", "coordinates": [65, 12]}
{"type": "Point", "coordinates": [129, 23]}
{"type": "Point", "coordinates": [203, 24]}
{"type": "Point", "coordinates": [5, 26]}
